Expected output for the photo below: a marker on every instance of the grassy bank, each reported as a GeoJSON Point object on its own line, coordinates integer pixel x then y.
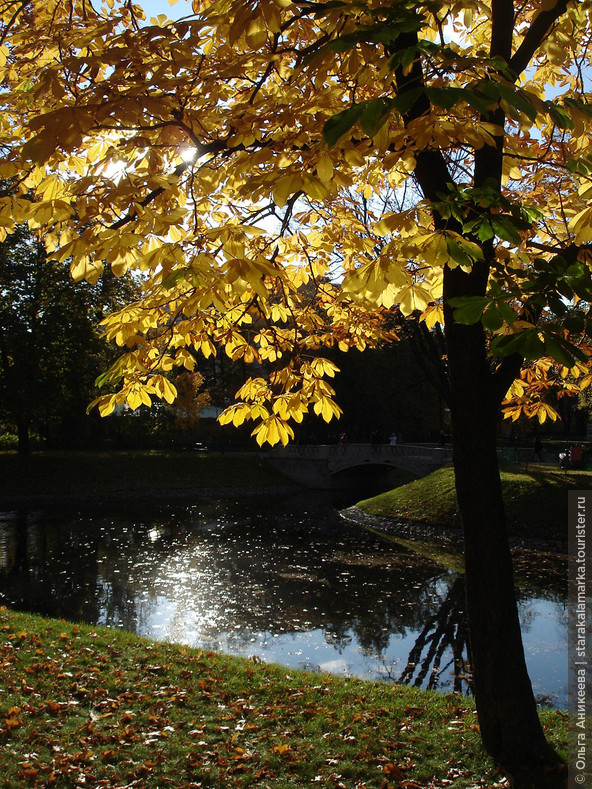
{"type": "Point", "coordinates": [88, 706]}
{"type": "Point", "coordinates": [536, 501]}
{"type": "Point", "coordinates": [94, 473]}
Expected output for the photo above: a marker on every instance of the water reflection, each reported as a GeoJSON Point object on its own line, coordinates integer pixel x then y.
{"type": "Point", "coordinates": [287, 580]}
{"type": "Point", "coordinates": [444, 632]}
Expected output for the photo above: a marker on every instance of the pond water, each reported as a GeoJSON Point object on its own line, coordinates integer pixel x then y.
{"type": "Point", "coordinates": [286, 580]}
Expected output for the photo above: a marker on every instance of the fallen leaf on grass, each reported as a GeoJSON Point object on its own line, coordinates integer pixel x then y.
{"type": "Point", "coordinates": [394, 772]}
{"type": "Point", "coordinates": [241, 753]}
{"type": "Point", "coordinates": [13, 722]}
{"type": "Point", "coordinates": [281, 748]}
{"type": "Point", "coordinates": [29, 773]}
{"type": "Point", "coordinates": [414, 712]}
{"type": "Point", "coordinates": [52, 707]}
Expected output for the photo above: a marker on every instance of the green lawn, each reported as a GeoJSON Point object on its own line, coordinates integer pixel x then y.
{"type": "Point", "coordinates": [536, 501]}
{"type": "Point", "coordinates": [91, 707]}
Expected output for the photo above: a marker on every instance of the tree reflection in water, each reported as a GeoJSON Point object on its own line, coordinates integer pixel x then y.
{"type": "Point", "coordinates": [445, 629]}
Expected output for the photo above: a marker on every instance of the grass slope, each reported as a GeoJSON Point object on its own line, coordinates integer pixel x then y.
{"type": "Point", "coordinates": [94, 473]}
{"type": "Point", "coordinates": [536, 501]}
{"type": "Point", "coordinates": [87, 706]}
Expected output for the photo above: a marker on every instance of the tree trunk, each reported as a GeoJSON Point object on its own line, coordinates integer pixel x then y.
{"type": "Point", "coordinates": [506, 708]}
{"type": "Point", "coordinates": [24, 447]}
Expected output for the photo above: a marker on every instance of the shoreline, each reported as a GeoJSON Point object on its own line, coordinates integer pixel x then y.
{"type": "Point", "coordinates": [52, 500]}
{"type": "Point", "coordinates": [443, 536]}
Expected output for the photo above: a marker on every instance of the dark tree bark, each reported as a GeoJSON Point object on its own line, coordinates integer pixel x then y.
{"type": "Point", "coordinates": [506, 707]}
{"type": "Point", "coordinates": [24, 447]}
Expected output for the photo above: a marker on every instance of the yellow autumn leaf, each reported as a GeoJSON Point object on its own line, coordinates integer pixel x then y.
{"type": "Point", "coordinates": [235, 414]}
{"type": "Point", "coordinates": [432, 315]}
{"type": "Point", "coordinates": [512, 412]}
{"type": "Point", "coordinates": [327, 408]}
{"type": "Point", "coordinates": [412, 298]}
{"type": "Point", "coordinates": [581, 226]}
{"type": "Point", "coordinates": [325, 168]}
{"type": "Point", "coordinates": [282, 748]}
{"type": "Point", "coordinates": [51, 187]}
{"type": "Point", "coordinates": [285, 187]}
{"type": "Point", "coordinates": [85, 268]}
{"type": "Point", "coordinates": [106, 404]}
{"type": "Point", "coordinates": [314, 188]}
{"type": "Point", "coordinates": [434, 248]}
{"type": "Point", "coordinates": [256, 33]}
{"type": "Point", "coordinates": [166, 390]}
{"type": "Point", "coordinates": [324, 367]}
{"type": "Point", "coordinates": [272, 430]}
{"type": "Point", "coordinates": [134, 399]}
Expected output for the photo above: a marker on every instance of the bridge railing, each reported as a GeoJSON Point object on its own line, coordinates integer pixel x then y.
{"type": "Point", "coordinates": [352, 451]}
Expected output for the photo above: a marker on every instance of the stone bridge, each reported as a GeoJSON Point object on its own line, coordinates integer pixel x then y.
{"type": "Point", "coordinates": [325, 466]}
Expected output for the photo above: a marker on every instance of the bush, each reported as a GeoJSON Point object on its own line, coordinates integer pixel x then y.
{"type": "Point", "coordinates": [8, 441]}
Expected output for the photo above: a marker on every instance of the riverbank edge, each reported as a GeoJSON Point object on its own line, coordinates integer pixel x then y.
{"type": "Point", "coordinates": [50, 500]}
{"type": "Point", "coordinates": [443, 536]}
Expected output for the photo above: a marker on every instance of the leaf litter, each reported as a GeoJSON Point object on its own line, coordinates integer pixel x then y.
{"type": "Point", "coordinates": [84, 706]}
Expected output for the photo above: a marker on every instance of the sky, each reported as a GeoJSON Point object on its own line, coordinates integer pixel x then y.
{"type": "Point", "coordinates": [156, 7]}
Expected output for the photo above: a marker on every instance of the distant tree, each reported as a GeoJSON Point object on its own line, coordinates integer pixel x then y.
{"type": "Point", "coordinates": [184, 414]}
{"type": "Point", "coordinates": [51, 348]}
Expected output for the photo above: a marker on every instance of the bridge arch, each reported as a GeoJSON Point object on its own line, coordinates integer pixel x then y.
{"type": "Point", "coordinates": [318, 466]}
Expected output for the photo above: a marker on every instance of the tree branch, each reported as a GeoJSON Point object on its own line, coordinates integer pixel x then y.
{"type": "Point", "coordinates": [535, 35]}
{"type": "Point", "coordinates": [217, 146]}
{"type": "Point", "coordinates": [569, 253]}
{"type": "Point", "coordinates": [489, 159]}
{"type": "Point", "coordinates": [8, 25]}
{"type": "Point", "coordinates": [502, 28]}
{"type": "Point", "coordinates": [179, 170]}
{"type": "Point", "coordinates": [431, 170]}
